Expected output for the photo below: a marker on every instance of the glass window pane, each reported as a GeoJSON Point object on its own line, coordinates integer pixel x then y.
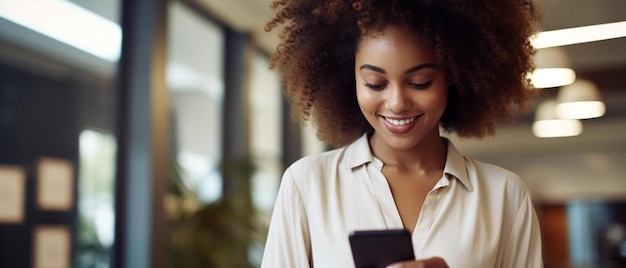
{"type": "Point", "coordinates": [195, 80]}
{"type": "Point", "coordinates": [96, 204]}
{"type": "Point", "coordinates": [265, 132]}
{"type": "Point", "coordinates": [194, 76]}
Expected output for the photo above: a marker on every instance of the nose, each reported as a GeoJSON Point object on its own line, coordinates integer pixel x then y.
{"type": "Point", "coordinates": [397, 100]}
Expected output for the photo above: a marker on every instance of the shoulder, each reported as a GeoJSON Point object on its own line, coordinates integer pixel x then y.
{"type": "Point", "coordinates": [491, 171]}
{"type": "Point", "coordinates": [315, 167]}
{"type": "Point", "coordinates": [324, 160]}
{"type": "Point", "coordinates": [496, 179]}
{"type": "Point", "coordinates": [312, 174]}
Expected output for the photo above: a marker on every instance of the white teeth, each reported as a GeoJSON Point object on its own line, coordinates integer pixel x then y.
{"type": "Point", "coordinates": [400, 122]}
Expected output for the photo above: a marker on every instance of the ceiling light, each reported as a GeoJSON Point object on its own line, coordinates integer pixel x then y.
{"type": "Point", "coordinates": [552, 77]}
{"type": "Point", "coordinates": [552, 68]}
{"type": "Point", "coordinates": [578, 35]}
{"type": "Point", "coordinates": [67, 22]}
{"type": "Point", "coordinates": [580, 100]}
{"type": "Point", "coordinates": [548, 125]}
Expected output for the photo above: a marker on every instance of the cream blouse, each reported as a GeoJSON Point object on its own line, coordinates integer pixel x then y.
{"type": "Point", "coordinates": [477, 215]}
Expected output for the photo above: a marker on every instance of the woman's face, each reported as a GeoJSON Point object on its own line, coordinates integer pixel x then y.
{"type": "Point", "coordinates": [400, 87]}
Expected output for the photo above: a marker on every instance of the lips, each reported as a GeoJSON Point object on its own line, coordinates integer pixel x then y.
{"type": "Point", "coordinates": [399, 125]}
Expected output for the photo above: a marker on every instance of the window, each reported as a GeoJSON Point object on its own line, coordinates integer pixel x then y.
{"type": "Point", "coordinates": [265, 100]}
{"type": "Point", "coordinates": [194, 76]}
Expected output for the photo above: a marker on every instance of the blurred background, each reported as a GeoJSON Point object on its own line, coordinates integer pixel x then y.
{"type": "Point", "coordinates": [152, 134]}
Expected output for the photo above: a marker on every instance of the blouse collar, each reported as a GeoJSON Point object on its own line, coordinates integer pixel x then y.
{"type": "Point", "coordinates": [359, 153]}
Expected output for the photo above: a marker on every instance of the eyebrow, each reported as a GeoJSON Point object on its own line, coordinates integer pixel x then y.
{"type": "Point", "coordinates": [410, 70]}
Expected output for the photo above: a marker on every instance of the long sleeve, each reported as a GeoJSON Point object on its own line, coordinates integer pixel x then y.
{"type": "Point", "coordinates": [523, 247]}
{"type": "Point", "coordinates": [288, 242]}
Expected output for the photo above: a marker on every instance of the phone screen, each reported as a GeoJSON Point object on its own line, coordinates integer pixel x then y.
{"type": "Point", "coordinates": [380, 248]}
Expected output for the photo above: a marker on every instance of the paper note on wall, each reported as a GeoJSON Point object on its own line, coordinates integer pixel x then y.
{"type": "Point", "coordinates": [55, 184]}
{"type": "Point", "coordinates": [51, 246]}
{"type": "Point", "coordinates": [12, 191]}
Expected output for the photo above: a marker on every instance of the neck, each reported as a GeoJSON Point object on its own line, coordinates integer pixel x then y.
{"type": "Point", "coordinates": [428, 154]}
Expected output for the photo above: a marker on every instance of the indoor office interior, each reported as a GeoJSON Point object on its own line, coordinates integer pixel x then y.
{"type": "Point", "coordinates": [152, 134]}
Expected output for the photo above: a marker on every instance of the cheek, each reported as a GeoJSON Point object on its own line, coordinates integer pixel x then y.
{"type": "Point", "coordinates": [441, 101]}
{"type": "Point", "coordinates": [437, 100]}
{"type": "Point", "coordinates": [363, 97]}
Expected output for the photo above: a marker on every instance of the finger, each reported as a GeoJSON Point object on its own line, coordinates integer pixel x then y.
{"type": "Point", "coordinates": [433, 262]}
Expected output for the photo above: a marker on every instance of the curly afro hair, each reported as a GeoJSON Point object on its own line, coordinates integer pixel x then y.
{"type": "Point", "coordinates": [483, 45]}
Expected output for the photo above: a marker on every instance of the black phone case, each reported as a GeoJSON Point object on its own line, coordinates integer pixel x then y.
{"type": "Point", "coordinates": [379, 248]}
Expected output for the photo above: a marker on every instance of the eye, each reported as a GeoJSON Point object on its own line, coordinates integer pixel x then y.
{"type": "Point", "coordinates": [421, 85]}
{"type": "Point", "coordinates": [375, 87]}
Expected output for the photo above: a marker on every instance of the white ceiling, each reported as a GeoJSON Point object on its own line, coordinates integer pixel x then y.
{"type": "Point", "coordinates": [251, 15]}
{"type": "Point", "coordinates": [559, 14]}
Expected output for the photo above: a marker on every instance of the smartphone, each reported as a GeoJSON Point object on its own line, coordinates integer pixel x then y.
{"type": "Point", "coordinates": [380, 248]}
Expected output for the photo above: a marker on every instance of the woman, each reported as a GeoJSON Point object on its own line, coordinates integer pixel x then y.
{"type": "Point", "coordinates": [378, 79]}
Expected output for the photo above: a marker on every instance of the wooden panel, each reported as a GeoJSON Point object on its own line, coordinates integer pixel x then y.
{"type": "Point", "coordinates": [553, 220]}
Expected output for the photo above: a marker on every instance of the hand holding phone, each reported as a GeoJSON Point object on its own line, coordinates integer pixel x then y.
{"type": "Point", "coordinates": [379, 248]}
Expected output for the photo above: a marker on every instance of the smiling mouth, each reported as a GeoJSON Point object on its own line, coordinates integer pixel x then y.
{"type": "Point", "coordinates": [399, 122]}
